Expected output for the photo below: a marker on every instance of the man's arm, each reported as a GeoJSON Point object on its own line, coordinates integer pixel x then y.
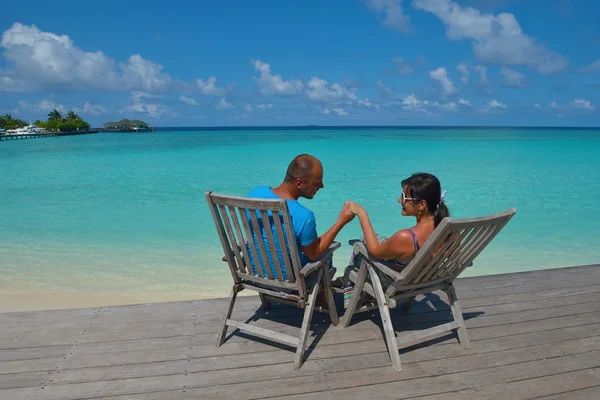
{"type": "Point", "coordinates": [320, 245]}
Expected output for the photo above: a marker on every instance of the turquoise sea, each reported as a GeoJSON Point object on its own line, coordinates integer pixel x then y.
{"type": "Point", "coordinates": [116, 214]}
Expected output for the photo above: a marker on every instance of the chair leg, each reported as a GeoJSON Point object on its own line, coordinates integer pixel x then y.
{"type": "Point", "coordinates": [223, 328]}
{"type": "Point", "coordinates": [329, 296]}
{"type": "Point", "coordinates": [308, 312]}
{"type": "Point", "coordinates": [358, 286]}
{"type": "Point", "coordinates": [386, 320]}
{"type": "Point", "coordinates": [265, 302]}
{"type": "Point", "coordinates": [458, 317]}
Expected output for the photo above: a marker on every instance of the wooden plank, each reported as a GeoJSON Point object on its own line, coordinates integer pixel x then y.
{"type": "Point", "coordinates": [287, 258]}
{"type": "Point", "coordinates": [262, 252]}
{"type": "Point", "coordinates": [589, 393]}
{"type": "Point", "coordinates": [233, 241]}
{"type": "Point", "coordinates": [581, 384]}
{"type": "Point", "coordinates": [272, 245]}
{"type": "Point", "coordinates": [33, 353]}
{"type": "Point", "coordinates": [399, 388]}
{"type": "Point", "coordinates": [21, 380]}
{"type": "Point", "coordinates": [448, 366]}
{"type": "Point", "coordinates": [236, 215]}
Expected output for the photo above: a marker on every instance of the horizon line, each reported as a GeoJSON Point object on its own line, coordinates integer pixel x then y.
{"type": "Point", "coordinates": [312, 126]}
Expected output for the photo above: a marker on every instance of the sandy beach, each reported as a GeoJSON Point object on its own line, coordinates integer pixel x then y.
{"type": "Point", "coordinates": [15, 301]}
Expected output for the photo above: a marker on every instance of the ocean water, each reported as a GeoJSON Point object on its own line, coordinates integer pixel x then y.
{"type": "Point", "coordinates": [126, 213]}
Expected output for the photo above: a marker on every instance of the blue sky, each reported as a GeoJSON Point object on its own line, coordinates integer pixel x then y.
{"type": "Point", "coordinates": [348, 62]}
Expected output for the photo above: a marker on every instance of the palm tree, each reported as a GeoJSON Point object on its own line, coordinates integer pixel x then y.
{"type": "Point", "coordinates": [8, 122]}
{"type": "Point", "coordinates": [55, 115]}
{"type": "Point", "coordinates": [73, 116]}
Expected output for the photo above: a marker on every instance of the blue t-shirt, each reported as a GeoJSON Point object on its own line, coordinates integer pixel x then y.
{"type": "Point", "coordinates": [303, 223]}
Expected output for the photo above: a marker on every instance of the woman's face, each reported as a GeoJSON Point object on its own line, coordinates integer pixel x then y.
{"type": "Point", "coordinates": [410, 205]}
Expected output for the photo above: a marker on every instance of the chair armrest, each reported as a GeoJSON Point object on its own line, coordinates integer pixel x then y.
{"type": "Point", "coordinates": [376, 262]}
{"type": "Point", "coordinates": [239, 249]}
{"type": "Point", "coordinates": [313, 266]}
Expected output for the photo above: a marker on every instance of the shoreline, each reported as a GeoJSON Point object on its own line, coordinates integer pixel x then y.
{"type": "Point", "coordinates": [30, 300]}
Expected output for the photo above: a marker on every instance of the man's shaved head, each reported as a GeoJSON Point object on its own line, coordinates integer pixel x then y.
{"type": "Point", "coordinates": [302, 167]}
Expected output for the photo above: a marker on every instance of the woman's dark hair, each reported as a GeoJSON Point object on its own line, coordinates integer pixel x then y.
{"type": "Point", "coordinates": [424, 186]}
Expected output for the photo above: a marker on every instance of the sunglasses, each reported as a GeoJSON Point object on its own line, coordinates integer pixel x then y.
{"type": "Point", "coordinates": [405, 199]}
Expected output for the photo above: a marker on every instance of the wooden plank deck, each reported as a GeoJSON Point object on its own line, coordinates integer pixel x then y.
{"type": "Point", "coordinates": [533, 335]}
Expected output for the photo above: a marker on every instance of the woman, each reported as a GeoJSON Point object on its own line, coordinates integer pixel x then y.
{"type": "Point", "coordinates": [422, 198]}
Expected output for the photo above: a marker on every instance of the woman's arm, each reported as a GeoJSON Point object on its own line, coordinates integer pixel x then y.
{"type": "Point", "coordinates": [398, 245]}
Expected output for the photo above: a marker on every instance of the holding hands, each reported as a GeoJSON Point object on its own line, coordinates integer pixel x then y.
{"type": "Point", "coordinates": [349, 210]}
{"type": "Point", "coordinates": [354, 208]}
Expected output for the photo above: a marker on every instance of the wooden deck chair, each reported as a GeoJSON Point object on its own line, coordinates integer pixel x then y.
{"type": "Point", "coordinates": [236, 219]}
{"type": "Point", "coordinates": [450, 249]}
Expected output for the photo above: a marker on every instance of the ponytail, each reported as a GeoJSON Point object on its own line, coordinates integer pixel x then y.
{"type": "Point", "coordinates": [440, 213]}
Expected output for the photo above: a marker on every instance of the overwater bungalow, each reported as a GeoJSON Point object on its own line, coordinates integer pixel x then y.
{"type": "Point", "coordinates": [126, 125]}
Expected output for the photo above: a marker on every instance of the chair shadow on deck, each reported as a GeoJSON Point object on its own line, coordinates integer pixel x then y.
{"type": "Point", "coordinates": [427, 312]}
{"type": "Point", "coordinates": [290, 317]}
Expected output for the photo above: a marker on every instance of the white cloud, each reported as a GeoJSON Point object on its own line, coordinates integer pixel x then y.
{"type": "Point", "coordinates": [209, 87]}
{"type": "Point", "coordinates": [141, 74]}
{"type": "Point", "coordinates": [384, 90]}
{"type": "Point", "coordinates": [512, 78]}
{"type": "Point", "coordinates": [401, 67]}
{"type": "Point", "coordinates": [595, 66]}
{"type": "Point", "coordinates": [367, 103]}
{"type": "Point", "coordinates": [47, 105]}
{"type": "Point", "coordinates": [44, 106]}
{"type": "Point", "coordinates": [188, 101]}
{"type": "Point", "coordinates": [441, 75]}
{"type": "Point", "coordinates": [340, 111]}
{"type": "Point", "coordinates": [537, 106]}
{"type": "Point", "coordinates": [464, 73]}
{"type": "Point", "coordinates": [496, 39]}
{"type": "Point", "coordinates": [95, 109]}
{"type": "Point", "coordinates": [45, 60]}
{"type": "Point", "coordinates": [392, 14]}
{"type": "Point", "coordinates": [412, 103]}
{"type": "Point", "coordinates": [495, 105]}
{"type": "Point", "coordinates": [483, 80]}
{"type": "Point", "coordinates": [450, 106]}
{"type": "Point", "coordinates": [275, 84]}
{"type": "Point", "coordinates": [464, 102]}
{"type": "Point", "coordinates": [318, 89]}
{"type": "Point", "coordinates": [258, 107]}
{"type": "Point", "coordinates": [554, 105]}
{"type": "Point", "coordinates": [139, 105]}
{"type": "Point", "coordinates": [337, 111]}
{"type": "Point", "coordinates": [582, 104]}
{"type": "Point", "coordinates": [224, 104]}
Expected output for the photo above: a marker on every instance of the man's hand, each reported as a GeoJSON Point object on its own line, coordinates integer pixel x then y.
{"type": "Point", "coordinates": [346, 215]}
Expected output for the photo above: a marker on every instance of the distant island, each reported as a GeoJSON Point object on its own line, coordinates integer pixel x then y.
{"type": "Point", "coordinates": [56, 122]}
{"type": "Point", "coordinates": [71, 122]}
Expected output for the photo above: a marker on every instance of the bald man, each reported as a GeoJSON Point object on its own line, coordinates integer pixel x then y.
{"type": "Point", "coordinates": [304, 178]}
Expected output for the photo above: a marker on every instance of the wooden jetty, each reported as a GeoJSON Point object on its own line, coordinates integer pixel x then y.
{"type": "Point", "coordinates": [533, 335]}
{"type": "Point", "coordinates": [41, 135]}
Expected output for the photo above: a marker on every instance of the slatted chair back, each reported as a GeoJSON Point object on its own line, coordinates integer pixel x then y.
{"type": "Point", "coordinates": [255, 236]}
{"type": "Point", "coordinates": [449, 250]}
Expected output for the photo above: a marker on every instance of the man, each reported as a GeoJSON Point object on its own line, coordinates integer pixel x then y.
{"type": "Point", "coordinates": [304, 178]}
